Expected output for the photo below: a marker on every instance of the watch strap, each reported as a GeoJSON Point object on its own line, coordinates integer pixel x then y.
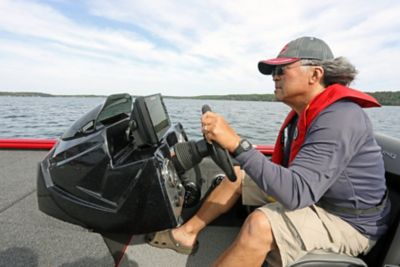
{"type": "Point", "coordinates": [243, 146]}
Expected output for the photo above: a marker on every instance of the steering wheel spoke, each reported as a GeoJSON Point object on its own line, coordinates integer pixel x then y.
{"type": "Point", "coordinates": [220, 155]}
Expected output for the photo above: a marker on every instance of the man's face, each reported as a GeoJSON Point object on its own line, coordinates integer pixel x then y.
{"type": "Point", "coordinates": [291, 82]}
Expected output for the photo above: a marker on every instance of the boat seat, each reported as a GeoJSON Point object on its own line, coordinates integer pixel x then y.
{"type": "Point", "coordinates": [321, 259]}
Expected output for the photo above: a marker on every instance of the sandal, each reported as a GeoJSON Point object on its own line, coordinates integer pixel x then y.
{"type": "Point", "coordinates": [164, 239]}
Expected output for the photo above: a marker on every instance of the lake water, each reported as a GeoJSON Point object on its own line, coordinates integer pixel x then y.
{"type": "Point", "coordinates": [49, 117]}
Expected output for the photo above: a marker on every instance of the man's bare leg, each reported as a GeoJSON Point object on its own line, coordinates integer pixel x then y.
{"type": "Point", "coordinates": [220, 200]}
{"type": "Point", "coordinates": [252, 245]}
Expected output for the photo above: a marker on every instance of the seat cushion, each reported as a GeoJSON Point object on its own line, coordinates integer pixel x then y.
{"type": "Point", "coordinates": [328, 259]}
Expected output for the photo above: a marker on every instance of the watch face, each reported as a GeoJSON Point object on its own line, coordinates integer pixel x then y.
{"type": "Point", "coordinates": [246, 145]}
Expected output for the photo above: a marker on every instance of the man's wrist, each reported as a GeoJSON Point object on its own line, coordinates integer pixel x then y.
{"type": "Point", "coordinates": [233, 144]}
{"type": "Point", "coordinates": [243, 146]}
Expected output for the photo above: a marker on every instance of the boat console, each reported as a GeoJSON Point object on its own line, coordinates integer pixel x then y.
{"type": "Point", "coordinates": [118, 169]}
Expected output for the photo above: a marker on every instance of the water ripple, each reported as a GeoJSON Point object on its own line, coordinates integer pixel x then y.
{"type": "Point", "coordinates": [49, 117]}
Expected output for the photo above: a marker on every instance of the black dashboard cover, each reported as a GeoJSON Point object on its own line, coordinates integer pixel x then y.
{"type": "Point", "coordinates": [97, 177]}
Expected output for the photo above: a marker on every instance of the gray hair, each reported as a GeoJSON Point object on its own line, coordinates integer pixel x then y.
{"type": "Point", "coordinates": [338, 70]}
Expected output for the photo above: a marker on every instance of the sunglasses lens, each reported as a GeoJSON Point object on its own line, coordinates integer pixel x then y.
{"type": "Point", "coordinates": [278, 70]}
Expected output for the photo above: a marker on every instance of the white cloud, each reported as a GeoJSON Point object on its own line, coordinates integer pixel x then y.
{"type": "Point", "coordinates": [185, 47]}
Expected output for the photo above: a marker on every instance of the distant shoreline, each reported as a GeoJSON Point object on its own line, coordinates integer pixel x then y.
{"type": "Point", "coordinates": [37, 94]}
{"type": "Point", "coordinates": [387, 98]}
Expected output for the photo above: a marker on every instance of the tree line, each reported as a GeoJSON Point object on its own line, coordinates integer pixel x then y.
{"type": "Point", "coordinates": [386, 98]}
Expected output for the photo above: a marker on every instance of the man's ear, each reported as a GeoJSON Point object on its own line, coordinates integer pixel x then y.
{"type": "Point", "coordinates": [316, 75]}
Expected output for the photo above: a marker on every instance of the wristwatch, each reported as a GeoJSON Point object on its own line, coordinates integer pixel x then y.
{"type": "Point", "coordinates": [243, 146]}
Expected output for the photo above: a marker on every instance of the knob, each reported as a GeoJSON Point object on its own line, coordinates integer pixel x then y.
{"type": "Point", "coordinates": [177, 201]}
{"type": "Point", "coordinates": [180, 189]}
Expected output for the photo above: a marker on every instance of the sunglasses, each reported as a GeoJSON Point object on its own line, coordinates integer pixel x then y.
{"type": "Point", "coordinates": [280, 69]}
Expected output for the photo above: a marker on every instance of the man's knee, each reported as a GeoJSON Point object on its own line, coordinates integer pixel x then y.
{"type": "Point", "coordinates": [258, 228]}
{"type": "Point", "coordinates": [235, 186]}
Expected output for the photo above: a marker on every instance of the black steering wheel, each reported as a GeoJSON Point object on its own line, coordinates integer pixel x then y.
{"type": "Point", "coordinates": [220, 155]}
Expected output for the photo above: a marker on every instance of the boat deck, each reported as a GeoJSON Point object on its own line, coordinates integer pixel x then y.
{"type": "Point", "coordinates": [29, 237]}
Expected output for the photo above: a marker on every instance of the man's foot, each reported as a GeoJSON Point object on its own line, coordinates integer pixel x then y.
{"type": "Point", "coordinates": [165, 239]}
{"type": "Point", "coordinates": [184, 237]}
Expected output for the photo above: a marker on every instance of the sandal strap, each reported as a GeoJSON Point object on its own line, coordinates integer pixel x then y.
{"type": "Point", "coordinates": [165, 239]}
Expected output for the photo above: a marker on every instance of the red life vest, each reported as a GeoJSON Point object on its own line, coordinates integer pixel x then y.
{"type": "Point", "coordinates": [330, 95]}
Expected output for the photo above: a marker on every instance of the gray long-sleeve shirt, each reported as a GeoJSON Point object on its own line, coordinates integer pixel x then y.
{"type": "Point", "coordinates": [339, 161]}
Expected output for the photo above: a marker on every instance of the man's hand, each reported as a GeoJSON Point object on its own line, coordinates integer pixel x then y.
{"type": "Point", "coordinates": [215, 128]}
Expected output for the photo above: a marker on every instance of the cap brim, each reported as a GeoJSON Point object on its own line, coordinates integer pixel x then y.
{"type": "Point", "coordinates": [266, 66]}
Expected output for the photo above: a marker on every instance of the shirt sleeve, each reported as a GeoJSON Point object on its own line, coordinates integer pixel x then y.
{"type": "Point", "coordinates": [333, 138]}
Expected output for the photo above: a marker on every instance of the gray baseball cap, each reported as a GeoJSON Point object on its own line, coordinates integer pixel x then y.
{"type": "Point", "coordinates": [301, 48]}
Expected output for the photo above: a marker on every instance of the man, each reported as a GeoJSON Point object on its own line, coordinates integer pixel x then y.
{"type": "Point", "coordinates": [326, 174]}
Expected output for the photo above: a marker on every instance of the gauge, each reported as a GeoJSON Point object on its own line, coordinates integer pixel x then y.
{"type": "Point", "coordinates": [169, 173]}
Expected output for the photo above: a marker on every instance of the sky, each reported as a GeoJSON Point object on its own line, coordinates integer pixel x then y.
{"type": "Point", "coordinates": [185, 48]}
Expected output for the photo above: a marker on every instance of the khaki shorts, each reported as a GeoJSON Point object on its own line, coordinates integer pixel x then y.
{"type": "Point", "coordinates": [304, 230]}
